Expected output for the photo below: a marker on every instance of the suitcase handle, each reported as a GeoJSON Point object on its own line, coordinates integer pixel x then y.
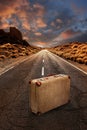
{"type": "Point", "coordinates": [50, 75]}
{"type": "Point", "coordinates": [38, 83]}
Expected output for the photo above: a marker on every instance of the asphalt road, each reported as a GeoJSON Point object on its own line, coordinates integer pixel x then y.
{"type": "Point", "coordinates": [14, 96]}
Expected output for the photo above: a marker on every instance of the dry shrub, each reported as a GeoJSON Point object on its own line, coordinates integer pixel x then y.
{"type": "Point", "coordinates": [61, 49]}
{"type": "Point", "coordinates": [84, 47]}
{"type": "Point", "coordinates": [85, 61]}
{"type": "Point", "coordinates": [23, 49]}
{"type": "Point", "coordinates": [27, 53]}
{"type": "Point", "coordinates": [56, 52]}
{"type": "Point", "coordinates": [15, 51]}
{"type": "Point", "coordinates": [80, 60]}
{"type": "Point", "coordinates": [81, 55]}
{"type": "Point", "coordinates": [73, 46]}
{"type": "Point", "coordinates": [67, 55]}
{"type": "Point", "coordinates": [72, 57]}
{"type": "Point", "coordinates": [3, 47]}
{"type": "Point", "coordinates": [13, 55]}
{"type": "Point", "coordinates": [85, 57]}
{"type": "Point", "coordinates": [80, 46]}
{"type": "Point", "coordinates": [21, 54]}
{"type": "Point", "coordinates": [5, 53]}
{"type": "Point", "coordinates": [2, 56]}
{"type": "Point", "coordinates": [67, 51]}
{"type": "Point", "coordinates": [60, 53]}
{"type": "Point", "coordinates": [57, 49]}
{"type": "Point", "coordinates": [75, 51]}
{"type": "Point", "coordinates": [7, 46]}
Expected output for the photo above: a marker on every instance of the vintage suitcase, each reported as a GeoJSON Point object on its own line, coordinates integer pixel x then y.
{"type": "Point", "coordinates": [48, 93]}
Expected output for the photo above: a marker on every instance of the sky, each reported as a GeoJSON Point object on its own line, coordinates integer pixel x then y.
{"type": "Point", "coordinates": [46, 23]}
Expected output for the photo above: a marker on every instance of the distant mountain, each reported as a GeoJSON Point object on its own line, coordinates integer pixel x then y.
{"type": "Point", "coordinates": [14, 36]}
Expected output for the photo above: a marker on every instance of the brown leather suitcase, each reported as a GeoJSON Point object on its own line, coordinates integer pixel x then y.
{"type": "Point", "coordinates": [49, 92]}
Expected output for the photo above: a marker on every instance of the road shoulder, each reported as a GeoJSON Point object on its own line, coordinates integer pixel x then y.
{"type": "Point", "coordinates": [81, 66]}
{"type": "Point", "coordinates": [8, 64]}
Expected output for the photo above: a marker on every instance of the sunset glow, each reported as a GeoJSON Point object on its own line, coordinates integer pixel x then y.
{"type": "Point", "coordinates": [45, 22]}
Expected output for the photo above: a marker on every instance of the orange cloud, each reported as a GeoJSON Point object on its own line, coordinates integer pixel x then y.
{"type": "Point", "coordinates": [26, 38]}
{"type": "Point", "coordinates": [39, 9]}
{"type": "Point", "coordinates": [67, 34]}
{"type": "Point", "coordinates": [40, 43]}
{"type": "Point", "coordinates": [21, 14]}
{"type": "Point", "coordinates": [7, 8]}
{"type": "Point", "coordinates": [17, 7]}
{"type": "Point", "coordinates": [59, 20]}
{"type": "Point", "coordinates": [38, 34]}
{"type": "Point", "coordinates": [4, 26]}
{"type": "Point", "coordinates": [40, 23]}
{"type": "Point", "coordinates": [25, 24]}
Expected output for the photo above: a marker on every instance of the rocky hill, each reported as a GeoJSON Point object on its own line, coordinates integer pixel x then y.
{"type": "Point", "coordinates": [75, 51]}
{"type": "Point", "coordinates": [14, 36]}
{"type": "Point", "coordinates": [12, 45]}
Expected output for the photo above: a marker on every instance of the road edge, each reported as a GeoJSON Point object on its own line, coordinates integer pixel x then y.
{"type": "Point", "coordinates": [71, 64]}
{"type": "Point", "coordinates": [12, 65]}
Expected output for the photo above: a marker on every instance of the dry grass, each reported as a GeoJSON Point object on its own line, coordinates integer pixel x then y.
{"type": "Point", "coordinates": [14, 50]}
{"type": "Point", "coordinates": [75, 51]}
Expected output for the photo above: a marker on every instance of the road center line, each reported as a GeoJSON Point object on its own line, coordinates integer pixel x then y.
{"type": "Point", "coordinates": [43, 60]}
{"type": "Point", "coordinates": [42, 71]}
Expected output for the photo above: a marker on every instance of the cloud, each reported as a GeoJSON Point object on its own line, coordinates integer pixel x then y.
{"type": "Point", "coordinates": [52, 23]}
{"type": "Point", "coordinates": [8, 7]}
{"type": "Point", "coordinates": [39, 44]}
{"type": "Point", "coordinates": [68, 34]}
{"type": "Point", "coordinates": [25, 13]}
{"type": "Point", "coordinates": [4, 26]}
{"type": "Point", "coordinates": [40, 23]}
{"type": "Point", "coordinates": [44, 21]}
{"type": "Point", "coordinates": [76, 9]}
{"type": "Point", "coordinates": [59, 21]}
{"type": "Point", "coordinates": [38, 34]}
{"type": "Point", "coordinates": [25, 24]}
{"type": "Point", "coordinates": [39, 9]}
{"type": "Point", "coordinates": [11, 11]}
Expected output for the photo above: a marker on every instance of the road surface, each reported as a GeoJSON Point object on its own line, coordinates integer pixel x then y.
{"type": "Point", "coordinates": [14, 96]}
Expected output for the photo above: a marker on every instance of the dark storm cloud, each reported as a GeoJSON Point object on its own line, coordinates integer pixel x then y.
{"type": "Point", "coordinates": [42, 22]}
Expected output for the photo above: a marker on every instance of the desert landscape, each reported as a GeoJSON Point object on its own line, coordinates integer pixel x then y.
{"type": "Point", "coordinates": [12, 44]}
{"type": "Point", "coordinates": [75, 51]}
{"type": "Point", "coordinates": [13, 48]}
{"type": "Point", "coordinates": [43, 65]}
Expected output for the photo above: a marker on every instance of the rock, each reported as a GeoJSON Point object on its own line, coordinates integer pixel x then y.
{"type": "Point", "coordinates": [14, 32]}
{"type": "Point", "coordinates": [2, 32]}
